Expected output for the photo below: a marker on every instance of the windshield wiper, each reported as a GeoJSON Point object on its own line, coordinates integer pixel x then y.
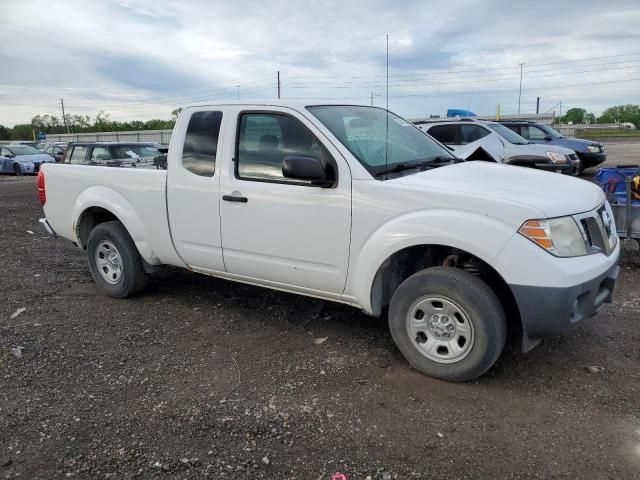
{"type": "Point", "coordinates": [422, 164]}
{"type": "Point", "coordinates": [398, 167]}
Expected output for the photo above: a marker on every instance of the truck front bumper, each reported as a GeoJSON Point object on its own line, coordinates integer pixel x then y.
{"type": "Point", "coordinates": [547, 311]}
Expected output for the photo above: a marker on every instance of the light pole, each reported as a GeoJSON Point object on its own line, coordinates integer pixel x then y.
{"type": "Point", "coordinates": [520, 92]}
{"type": "Point", "coordinates": [374, 95]}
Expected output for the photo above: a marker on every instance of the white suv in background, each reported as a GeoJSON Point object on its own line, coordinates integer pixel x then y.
{"type": "Point", "coordinates": [487, 140]}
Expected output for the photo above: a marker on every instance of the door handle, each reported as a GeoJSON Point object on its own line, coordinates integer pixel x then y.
{"type": "Point", "coordinates": [233, 198]}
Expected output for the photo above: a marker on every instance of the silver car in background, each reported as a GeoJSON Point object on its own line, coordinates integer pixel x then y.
{"type": "Point", "coordinates": [22, 159]}
{"type": "Point", "coordinates": [492, 141]}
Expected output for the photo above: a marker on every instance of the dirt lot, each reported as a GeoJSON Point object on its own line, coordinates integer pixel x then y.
{"type": "Point", "coordinates": [204, 378]}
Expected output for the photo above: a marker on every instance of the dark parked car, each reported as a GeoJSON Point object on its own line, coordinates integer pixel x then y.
{"type": "Point", "coordinates": [590, 153]}
{"type": "Point", "coordinates": [56, 150]}
{"type": "Point", "coordinates": [117, 154]}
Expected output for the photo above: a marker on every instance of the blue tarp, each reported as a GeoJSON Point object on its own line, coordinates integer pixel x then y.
{"type": "Point", "coordinates": [458, 112]}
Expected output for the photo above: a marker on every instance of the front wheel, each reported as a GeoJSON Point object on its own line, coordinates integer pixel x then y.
{"type": "Point", "coordinates": [447, 323]}
{"type": "Point", "coordinates": [114, 260]}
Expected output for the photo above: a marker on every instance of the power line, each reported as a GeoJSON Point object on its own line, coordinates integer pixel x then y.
{"type": "Point", "coordinates": [502, 67]}
{"type": "Point", "coordinates": [410, 83]}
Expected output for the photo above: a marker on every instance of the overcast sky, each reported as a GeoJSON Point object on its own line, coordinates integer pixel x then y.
{"type": "Point", "coordinates": [139, 59]}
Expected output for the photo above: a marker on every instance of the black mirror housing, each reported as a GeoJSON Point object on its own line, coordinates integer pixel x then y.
{"type": "Point", "coordinates": [303, 167]}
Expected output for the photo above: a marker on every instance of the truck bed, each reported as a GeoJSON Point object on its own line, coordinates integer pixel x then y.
{"type": "Point", "coordinates": [76, 187]}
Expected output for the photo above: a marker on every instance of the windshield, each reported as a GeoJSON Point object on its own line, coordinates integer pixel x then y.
{"type": "Point", "coordinates": [362, 130]}
{"type": "Point", "coordinates": [23, 150]}
{"type": "Point", "coordinates": [550, 131]}
{"type": "Point", "coordinates": [508, 134]}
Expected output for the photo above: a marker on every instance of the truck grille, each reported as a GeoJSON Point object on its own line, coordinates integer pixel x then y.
{"type": "Point", "coordinates": [598, 229]}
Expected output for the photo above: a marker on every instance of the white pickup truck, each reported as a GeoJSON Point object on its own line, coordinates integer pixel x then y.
{"type": "Point", "coordinates": [356, 205]}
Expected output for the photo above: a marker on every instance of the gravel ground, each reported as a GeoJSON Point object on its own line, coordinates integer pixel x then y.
{"type": "Point", "coordinates": [204, 378]}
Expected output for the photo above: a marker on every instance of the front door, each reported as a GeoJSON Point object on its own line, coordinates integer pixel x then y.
{"type": "Point", "coordinates": [278, 230]}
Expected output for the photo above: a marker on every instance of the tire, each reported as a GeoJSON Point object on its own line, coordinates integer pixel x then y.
{"type": "Point", "coordinates": [114, 260]}
{"type": "Point", "coordinates": [461, 331]}
{"type": "Point", "coordinates": [17, 170]}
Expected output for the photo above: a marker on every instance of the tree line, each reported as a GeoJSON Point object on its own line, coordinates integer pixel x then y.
{"type": "Point", "coordinates": [102, 122]}
{"type": "Point", "coordinates": [51, 124]}
{"type": "Point", "coordinates": [618, 114]}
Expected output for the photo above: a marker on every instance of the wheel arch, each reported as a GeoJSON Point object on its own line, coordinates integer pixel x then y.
{"type": "Point", "coordinates": [100, 204]}
{"type": "Point", "coordinates": [407, 261]}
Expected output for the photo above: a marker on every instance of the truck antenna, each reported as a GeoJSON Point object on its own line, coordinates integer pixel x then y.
{"type": "Point", "coordinates": [386, 141]}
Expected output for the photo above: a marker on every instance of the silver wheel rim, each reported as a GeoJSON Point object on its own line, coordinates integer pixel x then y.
{"type": "Point", "coordinates": [440, 329]}
{"type": "Point", "coordinates": [109, 262]}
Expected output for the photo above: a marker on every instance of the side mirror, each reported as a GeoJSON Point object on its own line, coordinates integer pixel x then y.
{"type": "Point", "coordinates": [548, 138]}
{"type": "Point", "coordinates": [303, 167]}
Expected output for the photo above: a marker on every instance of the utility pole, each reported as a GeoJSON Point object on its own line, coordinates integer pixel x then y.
{"type": "Point", "coordinates": [520, 93]}
{"type": "Point", "coordinates": [560, 111]}
{"type": "Point", "coordinates": [372, 99]}
{"type": "Point", "coordinates": [278, 83]}
{"type": "Point", "coordinates": [537, 105]}
{"type": "Point", "coordinates": [238, 87]}
{"type": "Point", "coordinates": [64, 118]}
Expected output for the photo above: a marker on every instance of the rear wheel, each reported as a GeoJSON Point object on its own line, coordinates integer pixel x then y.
{"type": "Point", "coordinates": [17, 170]}
{"type": "Point", "coordinates": [114, 260]}
{"type": "Point", "coordinates": [447, 323]}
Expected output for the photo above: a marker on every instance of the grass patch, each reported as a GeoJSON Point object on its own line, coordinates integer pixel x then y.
{"type": "Point", "coordinates": [607, 133]}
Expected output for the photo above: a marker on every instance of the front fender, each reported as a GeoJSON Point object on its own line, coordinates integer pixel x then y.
{"type": "Point", "coordinates": [118, 205]}
{"type": "Point", "coordinates": [474, 233]}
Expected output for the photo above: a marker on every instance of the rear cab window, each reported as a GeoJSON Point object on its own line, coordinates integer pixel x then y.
{"type": "Point", "coordinates": [201, 143]}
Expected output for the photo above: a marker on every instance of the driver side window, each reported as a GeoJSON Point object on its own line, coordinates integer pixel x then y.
{"type": "Point", "coordinates": [533, 133]}
{"type": "Point", "coordinates": [265, 139]}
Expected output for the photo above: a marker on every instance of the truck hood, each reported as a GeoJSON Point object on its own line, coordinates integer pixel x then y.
{"type": "Point", "coordinates": [576, 144]}
{"type": "Point", "coordinates": [553, 194]}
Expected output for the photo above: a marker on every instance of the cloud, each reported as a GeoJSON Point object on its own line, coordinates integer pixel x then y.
{"type": "Point", "coordinates": [139, 59]}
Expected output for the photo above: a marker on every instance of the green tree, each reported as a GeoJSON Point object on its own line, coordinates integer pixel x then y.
{"type": "Point", "coordinates": [574, 115]}
{"type": "Point", "coordinates": [621, 113]}
{"type": "Point", "coordinates": [175, 113]}
{"type": "Point", "coordinates": [22, 132]}
{"type": "Point", "coordinates": [5, 133]}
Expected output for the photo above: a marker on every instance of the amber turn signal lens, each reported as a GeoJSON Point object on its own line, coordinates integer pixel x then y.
{"type": "Point", "coordinates": [538, 232]}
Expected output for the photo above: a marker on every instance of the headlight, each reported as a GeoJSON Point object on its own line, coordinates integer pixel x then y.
{"type": "Point", "coordinates": [593, 149]}
{"type": "Point", "coordinates": [557, 157]}
{"type": "Point", "coordinates": [558, 236]}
